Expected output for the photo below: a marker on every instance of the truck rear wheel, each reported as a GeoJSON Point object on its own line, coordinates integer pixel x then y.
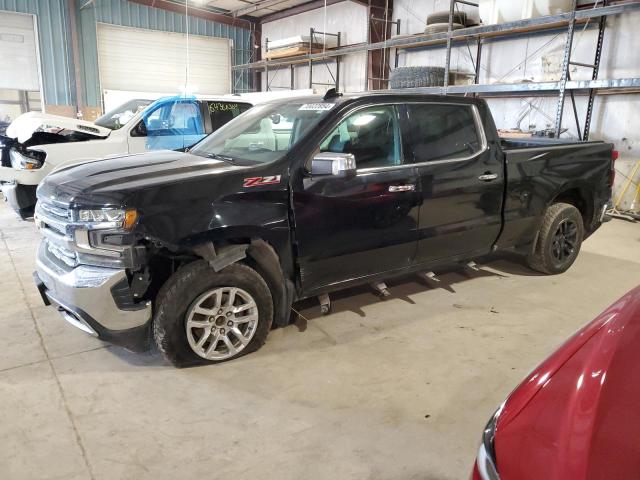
{"type": "Point", "coordinates": [559, 239]}
{"type": "Point", "coordinates": [203, 316]}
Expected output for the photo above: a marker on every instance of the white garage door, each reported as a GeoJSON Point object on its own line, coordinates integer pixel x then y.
{"type": "Point", "coordinates": [18, 52]}
{"type": "Point", "coordinates": [150, 61]}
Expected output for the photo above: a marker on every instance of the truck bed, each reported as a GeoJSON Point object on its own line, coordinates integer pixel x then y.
{"type": "Point", "coordinates": [536, 169]}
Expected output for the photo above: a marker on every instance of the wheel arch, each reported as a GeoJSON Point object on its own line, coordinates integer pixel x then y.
{"type": "Point", "coordinates": [580, 197]}
{"type": "Point", "coordinates": [264, 257]}
{"type": "Point", "coordinates": [575, 194]}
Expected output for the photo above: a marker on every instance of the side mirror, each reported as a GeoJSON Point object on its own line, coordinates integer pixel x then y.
{"type": "Point", "coordinates": [140, 130]}
{"type": "Point", "coordinates": [331, 163]}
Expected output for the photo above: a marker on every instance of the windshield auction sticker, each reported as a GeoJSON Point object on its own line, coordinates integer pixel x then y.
{"type": "Point", "coordinates": [317, 106]}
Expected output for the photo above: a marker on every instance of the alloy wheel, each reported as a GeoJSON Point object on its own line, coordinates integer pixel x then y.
{"type": "Point", "coordinates": [221, 322]}
{"type": "Point", "coordinates": [564, 241]}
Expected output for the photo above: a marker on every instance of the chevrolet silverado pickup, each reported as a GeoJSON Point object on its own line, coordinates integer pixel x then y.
{"type": "Point", "coordinates": [200, 252]}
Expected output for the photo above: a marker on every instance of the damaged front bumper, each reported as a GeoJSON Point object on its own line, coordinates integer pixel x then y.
{"type": "Point", "coordinates": [97, 300]}
{"type": "Point", "coordinates": [19, 197]}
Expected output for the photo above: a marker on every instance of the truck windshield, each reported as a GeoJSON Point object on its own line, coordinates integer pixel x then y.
{"type": "Point", "coordinates": [263, 134]}
{"type": "Point", "coordinates": [117, 117]}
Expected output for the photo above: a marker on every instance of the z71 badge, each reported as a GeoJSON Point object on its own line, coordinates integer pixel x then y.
{"type": "Point", "coordinates": [259, 181]}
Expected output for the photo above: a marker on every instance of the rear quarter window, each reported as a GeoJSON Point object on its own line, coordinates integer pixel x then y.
{"type": "Point", "coordinates": [442, 132]}
{"type": "Point", "coordinates": [223, 112]}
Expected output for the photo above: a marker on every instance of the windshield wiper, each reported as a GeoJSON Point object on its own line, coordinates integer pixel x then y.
{"type": "Point", "coordinates": [224, 158]}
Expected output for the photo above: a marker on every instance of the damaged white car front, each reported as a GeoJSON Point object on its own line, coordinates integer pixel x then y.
{"type": "Point", "coordinates": [37, 143]}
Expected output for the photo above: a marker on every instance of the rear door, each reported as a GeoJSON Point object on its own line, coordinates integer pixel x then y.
{"type": "Point", "coordinates": [461, 181]}
{"type": "Point", "coordinates": [348, 228]}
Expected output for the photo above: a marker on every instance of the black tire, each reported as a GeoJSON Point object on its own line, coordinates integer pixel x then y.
{"type": "Point", "coordinates": [441, 28]}
{"type": "Point", "coordinates": [413, 77]}
{"type": "Point", "coordinates": [559, 239]}
{"type": "Point", "coordinates": [443, 17]}
{"type": "Point", "coordinates": [186, 285]}
{"type": "Point", "coordinates": [26, 213]}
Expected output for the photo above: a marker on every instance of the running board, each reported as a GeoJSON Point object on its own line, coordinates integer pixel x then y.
{"type": "Point", "coordinates": [325, 303]}
{"type": "Point", "coordinates": [472, 266]}
{"type": "Point", "coordinates": [430, 277]}
{"type": "Point", "coordinates": [381, 289]}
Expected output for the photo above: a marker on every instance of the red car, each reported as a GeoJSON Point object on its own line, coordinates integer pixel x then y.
{"type": "Point", "coordinates": [577, 415]}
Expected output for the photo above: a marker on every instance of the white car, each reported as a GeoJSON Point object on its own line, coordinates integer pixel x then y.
{"type": "Point", "coordinates": [37, 144]}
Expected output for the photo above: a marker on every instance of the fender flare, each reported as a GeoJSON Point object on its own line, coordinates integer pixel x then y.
{"type": "Point", "coordinates": [268, 263]}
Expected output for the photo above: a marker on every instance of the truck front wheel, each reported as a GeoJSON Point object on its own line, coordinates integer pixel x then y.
{"type": "Point", "coordinates": [203, 316]}
{"type": "Point", "coordinates": [559, 239]}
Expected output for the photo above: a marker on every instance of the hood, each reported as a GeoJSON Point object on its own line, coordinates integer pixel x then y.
{"type": "Point", "coordinates": [23, 127]}
{"type": "Point", "coordinates": [576, 415]}
{"type": "Point", "coordinates": [111, 181]}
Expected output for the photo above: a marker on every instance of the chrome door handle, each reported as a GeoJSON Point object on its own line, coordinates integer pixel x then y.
{"type": "Point", "coordinates": [487, 177]}
{"type": "Point", "coordinates": [402, 188]}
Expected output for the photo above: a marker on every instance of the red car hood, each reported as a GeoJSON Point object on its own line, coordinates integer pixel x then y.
{"type": "Point", "coordinates": [577, 416]}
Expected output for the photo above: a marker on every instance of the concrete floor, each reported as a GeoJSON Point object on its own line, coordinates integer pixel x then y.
{"type": "Point", "coordinates": [399, 389]}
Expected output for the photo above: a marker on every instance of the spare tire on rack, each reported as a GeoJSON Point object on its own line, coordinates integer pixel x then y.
{"type": "Point", "coordinates": [443, 17]}
{"type": "Point", "coordinates": [413, 77]}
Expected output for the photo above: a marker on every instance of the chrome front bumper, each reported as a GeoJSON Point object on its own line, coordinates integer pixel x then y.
{"type": "Point", "coordinates": [87, 298]}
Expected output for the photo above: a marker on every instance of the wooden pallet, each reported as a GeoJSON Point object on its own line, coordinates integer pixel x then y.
{"type": "Point", "coordinates": [292, 51]}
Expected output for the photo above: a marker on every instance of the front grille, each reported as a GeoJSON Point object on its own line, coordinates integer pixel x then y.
{"type": "Point", "coordinates": [67, 257]}
{"type": "Point", "coordinates": [53, 216]}
{"type": "Point", "coordinates": [59, 211]}
{"type": "Point", "coordinates": [52, 219]}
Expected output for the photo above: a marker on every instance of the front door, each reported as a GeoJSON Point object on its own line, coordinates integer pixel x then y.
{"type": "Point", "coordinates": [168, 124]}
{"type": "Point", "coordinates": [347, 228]}
{"type": "Point", "coordinates": [461, 181]}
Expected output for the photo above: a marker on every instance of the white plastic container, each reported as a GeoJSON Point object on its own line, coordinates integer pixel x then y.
{"type": "Point", "coordinates": [513, 10]}
{"type": "Point", "coordinates": [542, 8]}
{"type": "Point", "coordinates": [487, 11]}
{"type": "Point", "coordinates": [501, 11]}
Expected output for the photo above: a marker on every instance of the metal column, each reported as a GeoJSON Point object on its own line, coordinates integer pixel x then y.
{"type": "Point", "coordinates": [596, 67]}
{"type": "Point", "coordinates": [447, 64]}
{"type": "Point", "coordinates": [565, 69]}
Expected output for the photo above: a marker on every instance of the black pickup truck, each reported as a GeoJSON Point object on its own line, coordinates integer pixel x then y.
{"type": "Point", "coordinates": [202, 251]}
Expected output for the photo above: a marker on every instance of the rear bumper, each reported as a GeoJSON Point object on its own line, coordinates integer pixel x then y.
{"type": "Point", "coordinates": [91, 299]}
{"type": "Point", "coordinates": [603, 213]}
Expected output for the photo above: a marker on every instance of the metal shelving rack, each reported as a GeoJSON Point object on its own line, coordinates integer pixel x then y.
{"type": "Point", "coordinates": [291, 62]}
{"type": "Point", "coordinates": [477, 34]}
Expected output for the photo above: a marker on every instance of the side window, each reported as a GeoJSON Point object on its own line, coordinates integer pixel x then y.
{"type": "Point", "coordinates": [223, 112]}
{"type": "Point", "coordinates": [440, 132]}
{"type": "Point", "coordinates": [372, 135]}
{"type": "Point", "coordinates": [174, 118]}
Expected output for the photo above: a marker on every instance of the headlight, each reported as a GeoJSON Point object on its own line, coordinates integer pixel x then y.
{"type": "Point", "coordinates": [23, 162]}
{"type": "Point", "coordinates": [117, 218]}
{"type": "Point", "coordinates": [486, 462]}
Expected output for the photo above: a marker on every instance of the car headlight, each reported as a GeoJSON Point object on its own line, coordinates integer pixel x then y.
{"type": "Point", "coordinates": [112, 218]}
{"type": "Point", "coordinates": [20, 161]}
{"type": "Point", "coordinates": [486, 462]}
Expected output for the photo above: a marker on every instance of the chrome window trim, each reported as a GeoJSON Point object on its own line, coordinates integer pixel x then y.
{"type": "Point", "coordinates": [548, 147]}
{"type": "Point", "coordinates": [479, 128]}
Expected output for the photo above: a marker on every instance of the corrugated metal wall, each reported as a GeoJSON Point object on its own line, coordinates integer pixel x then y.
{"type": "Point", "coordinates": [55, 45]}
{"type": "Point", "coordinates": [55, 54]}
{"type": "Point", "coordinates": [121, 12]}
